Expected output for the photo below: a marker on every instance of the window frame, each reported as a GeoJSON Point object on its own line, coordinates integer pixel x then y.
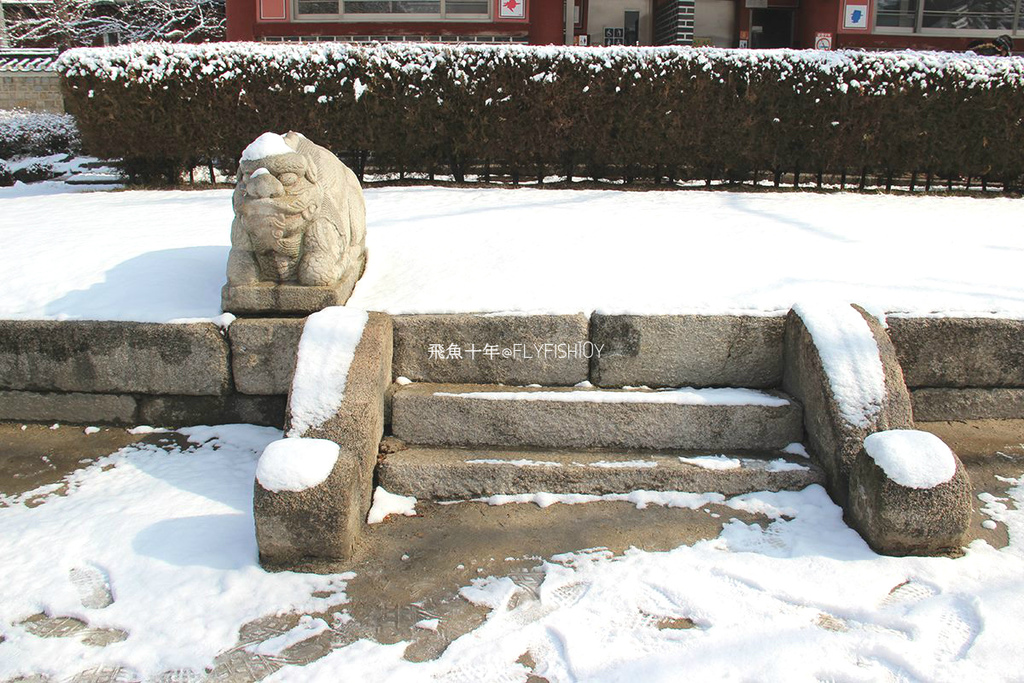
{"type": "Point", "coordinates": [353, 18]}
{"type": "Point", "coordinates": [918, 29]}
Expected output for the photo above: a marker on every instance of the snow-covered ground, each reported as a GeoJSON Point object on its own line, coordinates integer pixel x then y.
{"type": "Point", "coordinates": [160, 256]}
{"type": "Point", "coordinates": [803, 599]}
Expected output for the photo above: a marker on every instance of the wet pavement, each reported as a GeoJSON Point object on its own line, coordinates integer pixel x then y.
{"type": "Point", "coordinates": [409, 570]}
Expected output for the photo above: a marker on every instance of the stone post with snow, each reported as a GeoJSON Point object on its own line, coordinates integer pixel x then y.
{"type": "Point", "coordinates": [299, 233]}
{"type": "Point", "coordinates": [910, 494]}
{"type": "Point", "coordinates": [314, 488]}
{"type": "Point", "coordinates": [903, 490]}
{"type": "Point", "coordinates": [840, 363]}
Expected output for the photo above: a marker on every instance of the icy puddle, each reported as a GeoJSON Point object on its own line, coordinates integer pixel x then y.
{"type": "Point", "coordinates": [145, 569]}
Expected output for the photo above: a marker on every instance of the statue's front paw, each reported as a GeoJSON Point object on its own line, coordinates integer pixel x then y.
{"type": "Point", "coordinates": [318, 273]}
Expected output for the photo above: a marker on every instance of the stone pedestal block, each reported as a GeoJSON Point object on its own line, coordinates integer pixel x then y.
{"type": "Point", "coordinates": [900, 520]}
{"type": "Point", "coordinates": [263, 354]}
{"type": "Point", "coordinates": [959, 352]}
{"type": "Point", "coordinates": [939, 404]}
{"type": "Point", "coordinates": [179, 411]}
{"type": "Point", "coordinates": [111, 357]}
{"type": "Point", "coordinates": [269, 298]}
{"type": "Point", "coordinates": [74, 408]}
{"type": "Point", "coordinates": [317, 524]}
{"type": "Point", "coordinates": [687, 350]}
{"type": "Point", "coordinates": [542, 349]}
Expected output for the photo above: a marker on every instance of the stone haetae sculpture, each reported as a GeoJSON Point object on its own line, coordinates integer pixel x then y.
{"type": "Point", "coordinates": [299, 233]}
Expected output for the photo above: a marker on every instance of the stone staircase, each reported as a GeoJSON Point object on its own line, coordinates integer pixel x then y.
{"type": "Point", "coordinates": [478, 440]}
{"type": "Point", "coordinates": [735, 398]}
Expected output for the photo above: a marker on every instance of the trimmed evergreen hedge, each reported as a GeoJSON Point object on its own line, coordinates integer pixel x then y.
{"type": "Point", "coordinates": [603, 112]}
{"type": "Point", "coordinates": [33, 133]}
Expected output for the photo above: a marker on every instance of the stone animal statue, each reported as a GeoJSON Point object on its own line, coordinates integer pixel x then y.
{"type": "Point", "coordinates": [300, 217]}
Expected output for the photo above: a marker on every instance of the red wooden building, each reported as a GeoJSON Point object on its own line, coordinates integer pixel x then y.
{"type": "Point", "coordinates": [830, 24]}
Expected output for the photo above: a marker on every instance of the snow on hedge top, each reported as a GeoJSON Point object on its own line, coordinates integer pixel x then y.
{"type": "Point", "coordinates": [296, 464]}
{"type": "Point", "coordinates": [266, 145]}
{"type": "Point", "coordinates": [326, 349]}
{"type": "Point", "coordinates": [912, 458]}
{"type": "Point", "coordinates": [849, 357]}
{"type": "Point", "coordinates": [359, 67]}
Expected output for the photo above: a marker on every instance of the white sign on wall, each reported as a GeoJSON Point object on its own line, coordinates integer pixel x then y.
{"type": "Point", "coordinates": [823, 41]}
{"type": "Point", "coordinates": [856, 16]}
{"type": "Point", "coordinates": [511, 9]}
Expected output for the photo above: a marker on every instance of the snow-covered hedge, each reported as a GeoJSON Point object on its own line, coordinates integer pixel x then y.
{"type": "Point", "coordinates": [31, 133]}
{"type": "Point", "coordinates": [606, 112]}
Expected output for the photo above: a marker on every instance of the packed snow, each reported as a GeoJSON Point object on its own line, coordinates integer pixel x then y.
{"type": "Point", "coordinates": [624, 464]}
{"type": "Point", "coordinates": [161, 256]}
{"type": "Point", "coordinates": [796, 448]}
{"type": "Point", "coordinates": [681, 396]}
{"type": "Point", "coordinates": [307, 628]}
{"type": "Point", "coordinates": [326, 350]}
{"type": "Point", "coordinates": [520, 462]}
{"type": "Point", "coordinates": [386, 503]}
{"type": "Point", "coordinates": [782, 465]}
{"type": "Point", "coordinates": [713, 462]}
{"type": "Point", "coordinates": [296, 464]}
{"type": "Point", "coordinates": [912, 458]}
{"type": "Point", "coordinates": [800, 595]}
{"type": "Point", "coordinates": [850, 358]}
{"type": "Point", "coordinates": [641, 499]}
{"type": "Point", "coordinates": [172, 534]}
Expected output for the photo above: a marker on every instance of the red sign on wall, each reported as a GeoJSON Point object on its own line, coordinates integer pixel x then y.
{"type": "Point", "coordinates": [273, 10]}
{"type": "Point", "coordinates": [511, 10]}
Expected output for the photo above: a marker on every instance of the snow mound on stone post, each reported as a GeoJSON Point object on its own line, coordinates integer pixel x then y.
{"type": "Point", "coordinates": [296, 464]}
{"type": "Point", "coordinates": [849, 355]}
{"type": "Point", "coordinates": [326, 349]}
{"type": "Point", "coordinates": [912, 458]}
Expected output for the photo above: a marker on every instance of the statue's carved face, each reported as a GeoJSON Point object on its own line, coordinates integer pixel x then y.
{"type": "Point", "coordinates": [283, 185]}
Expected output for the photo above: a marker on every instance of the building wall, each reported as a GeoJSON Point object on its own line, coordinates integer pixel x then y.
{"type": "Point", "coordinates": [715, 23]}
{"type": "Point", "coordinates": [32, 90]}
{"type": "Point", "coordinates": [544, 27]}
{"type": "Point", "coordinates": [611, 14]}
{"type": "Point", "coordinates": [673, 22]}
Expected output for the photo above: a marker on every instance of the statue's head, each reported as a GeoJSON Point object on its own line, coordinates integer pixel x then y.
{"type": "Point", "coordinates": [276, 179]}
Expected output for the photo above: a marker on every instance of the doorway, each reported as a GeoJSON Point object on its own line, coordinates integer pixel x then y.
{"type": "Point", "coordinates": [771, 28]}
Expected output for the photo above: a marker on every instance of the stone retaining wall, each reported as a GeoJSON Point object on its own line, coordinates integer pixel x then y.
{"type": "Point", "coordinates": [961, 368]}
{"type": "Point", "coordinates": [32, 90]}
{"type": "Point", "coordinates": [135, 373]}
{"type": "Point", "coordinates": [126, 373]}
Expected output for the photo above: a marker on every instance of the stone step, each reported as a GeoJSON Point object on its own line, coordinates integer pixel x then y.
{"type": "Point", "coordinates": [93, 179]}
{"type": "Point", "coordinates": [468, 473]}
{"type": "Point", "coordinates": [582, 418]}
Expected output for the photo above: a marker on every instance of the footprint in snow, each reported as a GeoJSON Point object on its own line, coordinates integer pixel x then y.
{"type": "Point", "coordinates": [908, 593]}
{"type": "Point", "coordinates": [93, 586]}
{"type": "Point", "coordinates": [949, 625]}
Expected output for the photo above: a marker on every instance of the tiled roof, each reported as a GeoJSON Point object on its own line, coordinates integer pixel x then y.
{"type": "Point", "coordinates": [27, 60]}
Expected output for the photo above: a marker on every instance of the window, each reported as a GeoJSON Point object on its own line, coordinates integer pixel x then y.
{"type": "Point", "coordinates": [434, 9]}
{"type": "Point", "coordinates": [949, 16]}
{"type": "Point", "coordinates": [993, 15]}
{"type": "Point", "coordinates": [896, 14]}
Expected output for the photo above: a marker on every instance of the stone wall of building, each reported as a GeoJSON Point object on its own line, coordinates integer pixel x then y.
{"type": "Point", "coordinates": [35, 91]}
